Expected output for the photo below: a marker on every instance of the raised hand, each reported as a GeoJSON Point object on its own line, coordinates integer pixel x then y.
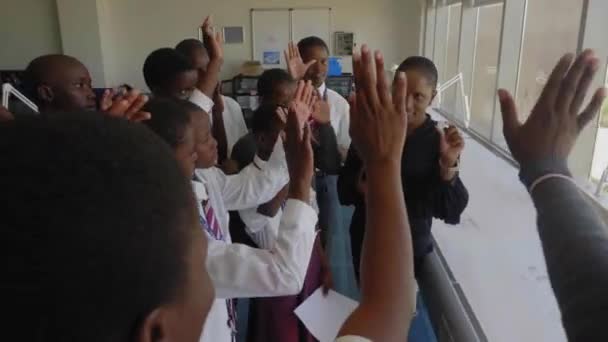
{"type": "Point", "coordinates": [320, 110]}
{"type": "Point", "coordinates": [298, 151]}
{"type": "Point", "coordinates": [303, 102]}
{"type": "Point", "coordinates": [295, 65]}
{"type": "Point", "coordinates": [378, 121]}
{"type": "Point", "coordinates": [555, 122]}
{"type": "Point", "coordinates": [5, 115]}
{"type": "Point", "coordinates": [208, 79]}
{"type": "Point", "coordinates": [128, 106]}
{"type": "Point", "coordinates": [451, 145]}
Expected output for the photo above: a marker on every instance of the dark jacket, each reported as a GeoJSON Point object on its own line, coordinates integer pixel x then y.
{"type": "Point", "coordinates": [427, 195]}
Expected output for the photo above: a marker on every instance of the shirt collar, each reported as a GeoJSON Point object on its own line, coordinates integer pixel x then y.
{"type": "Point", "coordinates": [321, 89]}
{"type": "Point", "coordinates": [200, 190]}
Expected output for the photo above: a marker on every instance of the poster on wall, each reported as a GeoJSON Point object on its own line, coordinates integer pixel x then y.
{"type": "Point", "coordinates": [272, 58]}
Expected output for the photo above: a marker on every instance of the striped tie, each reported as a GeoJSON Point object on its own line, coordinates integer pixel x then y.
{"type": "Point", "coordinates": [212, 226]}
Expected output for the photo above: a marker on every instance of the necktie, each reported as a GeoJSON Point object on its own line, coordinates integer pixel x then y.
{"type": "Point", "coordinates": [212, 227]}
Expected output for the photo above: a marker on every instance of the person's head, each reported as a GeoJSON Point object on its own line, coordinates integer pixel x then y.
{"type": "Point", "coordinates": [421, 83]}
{"type": "Point", "coordinates": [170, 121]}
{"type": "Point", "coordinates": [206, 145]}
{"type": "Point", "coordinates": [106, 246]}
{"type": "Point", "coordinates": [195, 51]}
{"type": "Point", "coordinates": [315, 48]}
{"type": "Point", "coordinates": [59, 83]}
{"type": "Point", "coordinates": [168, 73]}
{"type": "Point", "coordinates": [276, 86]}
{"type": "Point", "coordinates": [265, 126]}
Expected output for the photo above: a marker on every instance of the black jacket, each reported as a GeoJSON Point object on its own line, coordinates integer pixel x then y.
{"type": "Point", "coordinates": [427, 195]}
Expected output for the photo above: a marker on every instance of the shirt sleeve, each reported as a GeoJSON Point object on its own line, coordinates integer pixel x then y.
{"type": "Point", "coordinates": [343, 135]}
{"type": "Point", "coordinates": [200, 99]}
{"type": "Point", "coordinates": [449, 199]}
{"type": "Point", "coordinates": [352, 339]}
{"type": "Point", "coordinates": [256, 184]}
{"type": "Point", "coordinates": [239, 271]}
{"type": "Point", "coordinates": [575, 243]}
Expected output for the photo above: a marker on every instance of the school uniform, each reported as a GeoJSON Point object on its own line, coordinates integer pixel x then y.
{"type": "Point", "coordinates": [234, 122]}
{"type": "Point", "coordinates": [427, 196]}
{"type": "Point", "coordinates": [241, 271]}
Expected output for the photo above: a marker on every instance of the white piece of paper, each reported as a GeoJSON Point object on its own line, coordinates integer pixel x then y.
{"type": "Point", "coordinates": [323, 316]}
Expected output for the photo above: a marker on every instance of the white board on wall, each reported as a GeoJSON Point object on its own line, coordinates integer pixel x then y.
{"type": "Point", "coordinates": [311, 22]}
{"type": "Point", "coordinates": [273, 29]}
{"type": "Point", "coordinates": [271, 34]}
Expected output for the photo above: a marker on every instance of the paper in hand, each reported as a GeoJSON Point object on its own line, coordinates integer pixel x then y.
{"type": "Point", "coordinates": [323, 316]}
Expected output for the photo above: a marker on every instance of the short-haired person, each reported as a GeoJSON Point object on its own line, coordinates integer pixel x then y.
{"type": "Point", "coordinates": [61, 83]}
{"type": "Point", "coordinates": [432, 186]}
{"type": "Point", "coordinates": [106, 246]}
{"type": "Point", "coordinates": [309, 60]}
{"type": "Point", "coordinates": [226, 116]}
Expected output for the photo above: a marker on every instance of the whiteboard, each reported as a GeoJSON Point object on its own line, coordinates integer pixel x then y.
{"type": "Point", "coordinates": [311, 22]}
{"type": "Point", "coordinates": [270, 34]}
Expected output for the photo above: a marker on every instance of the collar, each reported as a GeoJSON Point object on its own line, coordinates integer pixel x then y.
{"type": "Point", "coordinates": [200, 190]}
{"type": "Point", "coordinates": [322, 89]}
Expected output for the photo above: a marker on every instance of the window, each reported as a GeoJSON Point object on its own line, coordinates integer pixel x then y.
{"type": "Point", "coordinates": [551, 29]}
{"type": "Point", "coordinates": [450, 65]}
{"type": "Point", "coordinates": [429, 37]}
{"type": "Point", "coordinates": [485, 67]}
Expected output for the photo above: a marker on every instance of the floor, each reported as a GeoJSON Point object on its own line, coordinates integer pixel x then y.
{"type": "Point", "coordinates": [495, 253]}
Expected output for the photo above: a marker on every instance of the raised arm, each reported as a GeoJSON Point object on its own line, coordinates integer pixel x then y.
{"type": "Point", "coordinates": [378, 129]}
{"type": "Point", "coordinates": [280, 271]}
{"type": "Point", "coordinates": [208, 79]}
{"type": "Point", "coordinates": [574, 237]}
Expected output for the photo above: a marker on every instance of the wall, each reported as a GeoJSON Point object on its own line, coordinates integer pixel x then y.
{"type": "Point", "coordinates": [132, 29]}
{"type": "Point", "coordinates": [28, 29]}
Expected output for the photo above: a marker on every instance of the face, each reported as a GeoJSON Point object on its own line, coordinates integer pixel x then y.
{"type": "Point", "coordinates": [186, 154]}
{"type": "Point", "coordinates": [200, 59]}
{"type": "Point", "coordinates": [69, 88]}
{"type": "Point", "coordinates": [182, 85]}
{"type": "Point", "coordinates": [317, 73]}
{"type": "Point", "coordinates": [420, 94]}
{"type": "Point", "coordinates": [206, 146]}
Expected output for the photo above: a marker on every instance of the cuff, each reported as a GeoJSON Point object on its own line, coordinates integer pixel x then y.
{"type": "Point", "coordinates": [259, 162]}
{"type": "Point", "coordinates": [200, 99]}
{"type": "Point", "coordinates": [533, 170]}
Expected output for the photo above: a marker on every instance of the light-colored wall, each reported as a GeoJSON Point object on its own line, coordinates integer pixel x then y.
{"type": "Point", "coordinates": [132, 29]}
{"type": "Point", "coordinates": [28, 29]}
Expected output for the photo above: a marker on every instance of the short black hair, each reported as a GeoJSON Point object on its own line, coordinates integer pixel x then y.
{"type": "Point", "coordinates": [422, 64]}
{"type": "Point", "coordinates": [187, 46]}
{"type": "Point", "coordinates": [169, 119]}
{"type": "Point", "coordinates": [270, 79]}
{"type": "Point", "coordinates": [97, 220]}
{"type": "Point", "coordinates": [309, 42]}
{"type": "Point", "coordinates": [264, 118]}
{"type": "Point", "coordinates": [163, 65]}
{"type": "Point", "coordinates": [38, 71]}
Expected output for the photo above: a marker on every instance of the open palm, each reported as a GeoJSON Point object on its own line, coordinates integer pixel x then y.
{"type": "Point", "coordinates": [295, 65]}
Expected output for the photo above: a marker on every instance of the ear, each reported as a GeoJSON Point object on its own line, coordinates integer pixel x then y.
{"type": "Point", "coordinates": [153, 328]}
{"type": "Point", "coordinates": [433, 95]}
{"type": "Point", "coordinates": [45, 93]}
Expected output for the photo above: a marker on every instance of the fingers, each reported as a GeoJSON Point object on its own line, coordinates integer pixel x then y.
{"type": "Point", "coordinates": [369, 76]}
{"type": "Point", "coordinates": [358, 70]}
{"type": "Point", "coordinates": [510, 121]}
{"type": "Point", "coordinates": [400, 93]}
{"type": "Point", "coordinates": [281, 114]}
{"type": "Point", "coordinates": [293, 127]}
{"type": "Point", "coordinates": [140, 116]}
{"type": "Point", "coordinates": [592, 109]}
{"type": "Point", "coordinates": [584, 84]}
{"type": "Point", "coordinates": [138, 104]}
{"type": "Point", "coordinates": [310, 63]}
{"type": "Point", "coordinates": [299, 91]}
{"type": "Point", "coordinates": [570, 83]}
{"type": "Point", "coordinates": [106, 99]}
{"type": "Point", "coordinates": [382, 84]}
{"type": "Point", "coordinates": [551, 89]}
{"type": "Point", "coordinates": [308, 91]}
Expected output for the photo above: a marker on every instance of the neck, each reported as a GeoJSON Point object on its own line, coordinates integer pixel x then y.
{"type": "Point", "coordinates": [415, 122]}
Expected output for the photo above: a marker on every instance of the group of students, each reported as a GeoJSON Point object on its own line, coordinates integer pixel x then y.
{"type": "Point", "coordinates": [115, 216]}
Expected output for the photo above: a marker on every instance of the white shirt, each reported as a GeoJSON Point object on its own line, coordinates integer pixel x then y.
{"type": "Point", "coordinates": [234, 122]}
{"type": "Point", "coordinates": [239, 271]}
{"type": "Point", "coordinates": [352, 339]}
{"type": "Point", "coordinates": [339, 116]}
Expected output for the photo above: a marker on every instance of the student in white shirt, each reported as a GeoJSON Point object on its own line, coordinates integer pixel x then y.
{"type": "Point", "coordinates": [227, 115]}
{"type": "Point", "coordinates": [238, 270]}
